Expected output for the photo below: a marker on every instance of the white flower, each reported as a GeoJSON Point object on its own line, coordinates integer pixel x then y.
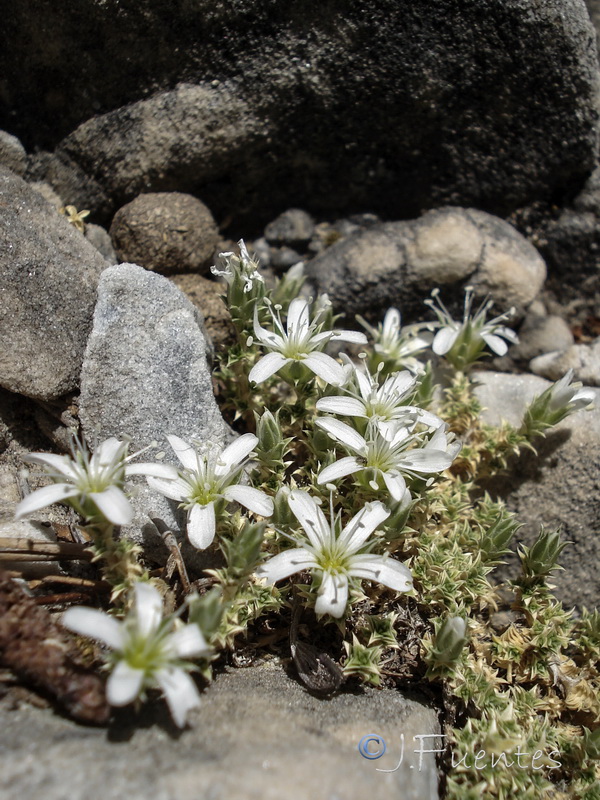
{"type": "Point", "coordinates": [209, 478]}
{"type": "Point", "coordinates": [93, 485]}
{"type": "Point", "coordinates": [383, 404]}
{"type": "Point", "coordinates": [335, 557]}
{"type": "Point", "coordinates": [473, 332]}
{"type": "Point", "coordinates": [392, 341]}
{"type": "Point", "coordinates": [243, 267]}
{"type": "Point", "coordinates": [300, 341]}
{"type": "Point", "coordinates": [565, 394]}
{"type": "Point", "coordinates": [389, 459]}
{"type": "Point", "coordinates": [148, 651]}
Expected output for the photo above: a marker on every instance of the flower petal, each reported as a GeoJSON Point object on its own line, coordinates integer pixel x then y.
{"type": "Point", "coordinates": [427, 460]}
{"type": "Point", "coordinates": [165, 471]}
{"type": "Point", "coordinates": [285, 564]}
{"type": "Point", "coordinates": [62, 464]}
{"type": "Point", "coordinates": [235, 453]}
{"type": "Point", "coordinates": [108, 451]}
{"type": "Point", "coordinates": [395, 484]}
{"type": "Point", "coordinates": [298, 321]}
{"type": "Point", "coordinates": [343, 433]}
{"type": "Point", "coordinates": [339, 469]}
{"type": "Point", "coordinates": [148, 608]}
{"type": "Point", "coordinates": [46, 496]}
{"type": "Point", "coordinates": [391, 323]}
{"type": "Point", "coordinates": [444, 339]}
{"type": "Point", "coordinates": [348, 406]}
{"type": "Point", "coordinates": [176, 489]}
{"type": "Point", "coordinates": [309, 515]}
{"type": "Point", "coordinates": [95, 624]}
{"type": "Point", "coordinates": [267, 338]}
{"type": "Point", "coordinates": [268, 365]}
{"type": "Point", "coordinates": [124, 684]}
{"type": "Point", "coordinates": [325, 367]}
{"type": "Point", "coordinates": [188, 642]}
{"type": "Point", "coordinates": [252, 499]}
{"type": "Point", "coordinates": [202, 525]}
{"type": "Point", "coordinates": [495, 343]}
{"type": "Point", "coordinates": [382, 569]}
{"type": "Point", "coordinates": [114, 505]}
{"type": "Point", "coordinates": [184, 452]}
{"type": "Point", "coordinates": [362, 525]}
{"type": "Point", "coordinates": [180, 693]}
{"type": "Point", "coordinates": [356, 337]}
{"type": "Point", "coordinates": [333, 595]}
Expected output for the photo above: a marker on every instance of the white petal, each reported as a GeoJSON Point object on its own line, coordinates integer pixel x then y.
{"type": "Point", "coordinates": [267, 338]}
{"type": "Point", "coordinates": [356, 337]}
{"type": "Point", "coordinates": [325, 367]}
{"type": "Point", "coordinates": [395, 484]}
{"type": "Point", "coordinates": [297, 318]}
{"type": "Point", "coordinates": [61, 464]}
{"type": "Point", "coordinates": [268, 365]}
{"type": "Point", "coordinates": [188, 642]}
{"type": "Point", "coordinates": [114, 505]}
{"type": "Point", "coordinates": [148, 608]}
{"type": "Point", "coordinates": [202, 525]}
{"type": "Point", "coordinates": [365, 384]}
{"type": "Point", "coordinates": [341, 468]}
{"type": "Point", "coordinates": [397, 385]}
{"type": "Point", "coordinates": [176, 489]}
{"type": "Point", "coordinates": [444, 339]}
{"type": "Point", "coordinates": [309, 515]}
{"type": "Point", "coordinates": [46, 496]}
{"type": "Point", "coordinates": [180, 692]}
{"type": "Point", "coordinates": [427, 460]}
{"type": "Point", "coordinates": [184, 452]}
{"type": "Point", "coordinates": [343, 433]}
{"type": "Point", "coordinates": [383, 570]}
{"type": "Point", "coordinates": [362, 525]}
{"type": "Point", "coordinates": [391, 323]}
{"type": "Point", "coordinates": [235, 453]}
{"type": "Point", "coordinates": [333, 595]}
{"type": "Point", "coordinates": [165, 471]}
{"type": "Point", "coordinates": [495, 343]}
{"type": "Point", "coordinates": [124, 684]}
{"type": "Point", "coordinates": [252, 499]}
{"type": "Point", "coordinates": [95, 624]}
{"type": "Point", "coordinates": [507, 333]}
{"type": "Point", "coordinates": [107, 452]}
{"type": "Point", "coordinates": [348, 406]}
{"type": "Point", "coordinates": [285, 564]}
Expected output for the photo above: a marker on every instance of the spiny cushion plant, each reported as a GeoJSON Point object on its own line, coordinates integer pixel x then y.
{"type": "Point", "coordinates": [361, 485]}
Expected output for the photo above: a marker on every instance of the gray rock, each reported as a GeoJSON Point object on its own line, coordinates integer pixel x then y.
{"type": "Point", "coordinates": [166, 232]}
{"type": "Point", "coordinates": [75, 186]}
{"type": "Point", "coordinates": [12, 154]}
{"type": "Point", "coordinates": [48, 193]}
{"type": "Point", "coordinates": [146, 375]}
{"type": "Point", "coordinates": [398, 263]}
{"type": "Point", "coordinates": [583, 359]}
{"type": "Point", "coordinates": [541, 334]}
{"type": "Point", "coordinates": [395, 107]}
{"type": "Point", "coordinates": [293, 228]}
{"type": "Point", "coordinates": [282, 258]}
{"type": "Point", "coordinates": [257, 736]}
{"type": "Point", "coordinates": [561, 488]}
{"type": "Point", "coordinates": [100, 239]}
{"type": "Point", "coordinates": [49, 275]}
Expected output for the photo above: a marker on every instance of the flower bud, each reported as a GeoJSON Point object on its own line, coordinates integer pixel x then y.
{"type": "Point", "coordinates": [449, 641]}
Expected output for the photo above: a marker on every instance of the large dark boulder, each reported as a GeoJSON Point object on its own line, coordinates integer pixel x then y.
{"type": "Point", "coordinates": [392, 105]}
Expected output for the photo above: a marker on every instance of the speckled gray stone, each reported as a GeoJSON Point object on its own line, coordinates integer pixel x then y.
{"type": "Point", "coordinates": [560, 488]}
{"type": "Point", "coordinates": [257, 736]}
{"type": "Point", "coordinates": [583, 359]}
{"type": "Point", "coordinates": [146, 375]}
{"type": "Point", "coordinates": [48, 275]}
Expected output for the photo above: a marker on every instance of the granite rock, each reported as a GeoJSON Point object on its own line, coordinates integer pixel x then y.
{"type": "Point", "coordinates": [583, 359]}
{"type": "Point", "coordinates": [49, 275]}
{"type": "Point", "coordinates": [12, 154]}
{"type": "Point", "coordinates": [257, 736]}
